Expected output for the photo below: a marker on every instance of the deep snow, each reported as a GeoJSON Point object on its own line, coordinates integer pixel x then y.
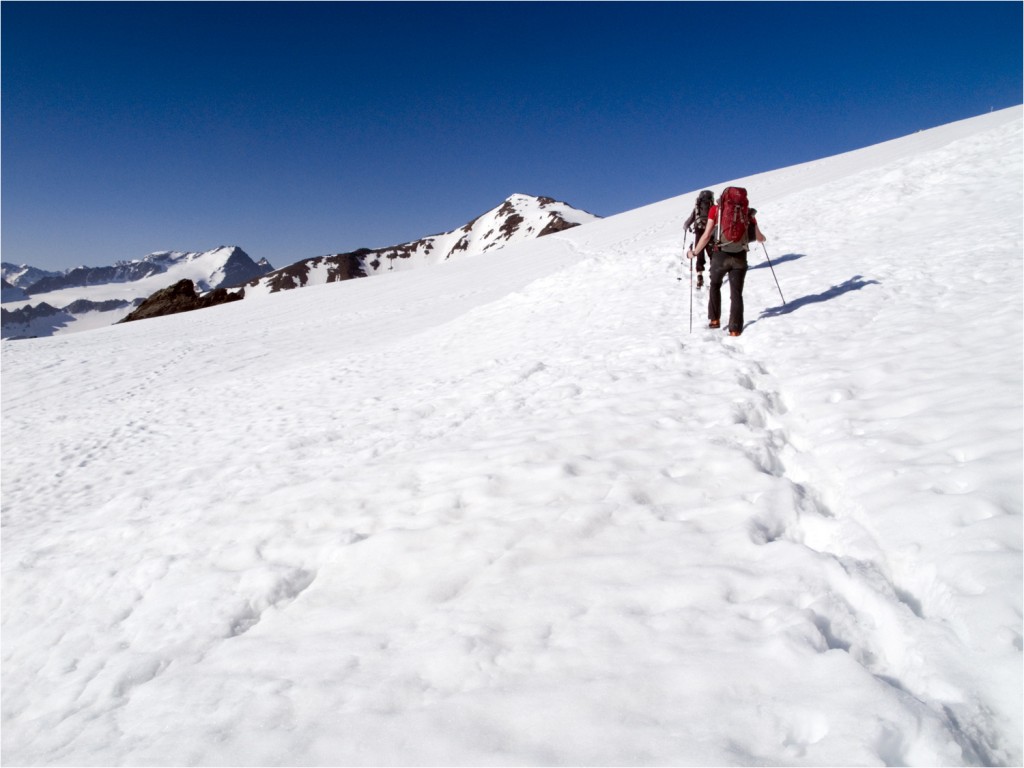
{"type": "Point", "coordinates": [510, 510]}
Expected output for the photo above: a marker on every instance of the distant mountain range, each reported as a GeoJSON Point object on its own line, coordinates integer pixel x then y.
{"type": "Point", "coordinates": [222, 267]}
{"type": "Point", "coordinates": [22, 277]}
{"type": "Point", "coordinates": [42, 303]}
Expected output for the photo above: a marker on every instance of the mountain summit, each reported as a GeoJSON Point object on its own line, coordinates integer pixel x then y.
{"type": "Point", "coordinates": [520, 217]}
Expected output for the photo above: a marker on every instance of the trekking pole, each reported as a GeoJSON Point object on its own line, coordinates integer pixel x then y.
{"type": "Point", "coordinates": [691, 294]}
{"type": "Point", "coordinates": [691, 282]}
{"type": "Point", "coordinates": [679, 277]}
{"type": "Point", "coordinates": [773, 274]}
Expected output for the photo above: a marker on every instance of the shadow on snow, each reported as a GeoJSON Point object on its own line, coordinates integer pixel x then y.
{"type": "Point", "coordinates": [776, 262]}
{"type": "Point", "coordinates": [855, 283]}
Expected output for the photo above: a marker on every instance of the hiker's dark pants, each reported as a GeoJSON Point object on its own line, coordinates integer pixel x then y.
{"type": "Point", "coordinates": [735, 266]}
{"type": "Point", "coordinates": [698, 234]}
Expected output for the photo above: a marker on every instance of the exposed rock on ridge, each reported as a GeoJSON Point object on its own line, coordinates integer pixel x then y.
{"type": "Point", "coordinates": [180, 297]}
{"type": "Point", "coordinates": [520, 217]}
{"type": "Point", "coordinates": [340, 266]}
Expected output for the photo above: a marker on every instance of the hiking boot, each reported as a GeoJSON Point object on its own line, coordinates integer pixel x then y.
{"type": "Point", "coordinates": [735, 333]}
{"type": "Point", "coordinates": [715, 324]}
{"type": "Point", "coordinates": [700, 279]}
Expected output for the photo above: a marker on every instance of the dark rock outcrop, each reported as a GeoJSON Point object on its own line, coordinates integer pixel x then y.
{"type": "Point", "coordinates": [340, 266]}
{"type": "Point", "coordinates": [556, 224]}
{"type": "Point", "coordinates": [180, 297]}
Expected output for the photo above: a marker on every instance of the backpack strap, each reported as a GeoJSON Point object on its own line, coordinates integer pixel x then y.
{"type": "Point", "coordinates": [718, 223]}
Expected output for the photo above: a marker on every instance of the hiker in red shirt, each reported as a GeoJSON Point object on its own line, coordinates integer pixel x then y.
{"type": "Point", "coordinates": [730, 228]}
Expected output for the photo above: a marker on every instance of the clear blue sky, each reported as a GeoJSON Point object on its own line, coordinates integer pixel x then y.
{"type": "Point", "coordinates": [301, 129]}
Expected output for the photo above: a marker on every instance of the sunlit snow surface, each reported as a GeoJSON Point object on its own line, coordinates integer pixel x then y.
{"type": "Point", "coordinates": [510, 510]}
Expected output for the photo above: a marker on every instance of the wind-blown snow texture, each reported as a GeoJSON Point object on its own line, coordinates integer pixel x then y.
{"type": "Point", "coordinates": [508, 510]}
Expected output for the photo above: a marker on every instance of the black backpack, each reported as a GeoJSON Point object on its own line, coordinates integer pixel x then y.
{"type": "Point", "coordinates": [700, 209]}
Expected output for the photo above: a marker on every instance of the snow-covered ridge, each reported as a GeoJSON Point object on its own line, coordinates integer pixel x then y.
{"type": "Point", "coordinates": [22, 275]}
{"type": "Point", "coordinates": [519, 218]}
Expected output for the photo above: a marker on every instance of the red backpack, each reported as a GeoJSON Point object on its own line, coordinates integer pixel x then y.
{"type": "Point", "coordinates": [733, 219]}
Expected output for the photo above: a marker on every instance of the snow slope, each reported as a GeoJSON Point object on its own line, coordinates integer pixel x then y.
{"type": "Point", "coordinates": [510, 511]}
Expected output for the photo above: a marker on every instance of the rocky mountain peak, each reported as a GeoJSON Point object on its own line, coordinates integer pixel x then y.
{"type": "Point", "coordinates": [517, 218]}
